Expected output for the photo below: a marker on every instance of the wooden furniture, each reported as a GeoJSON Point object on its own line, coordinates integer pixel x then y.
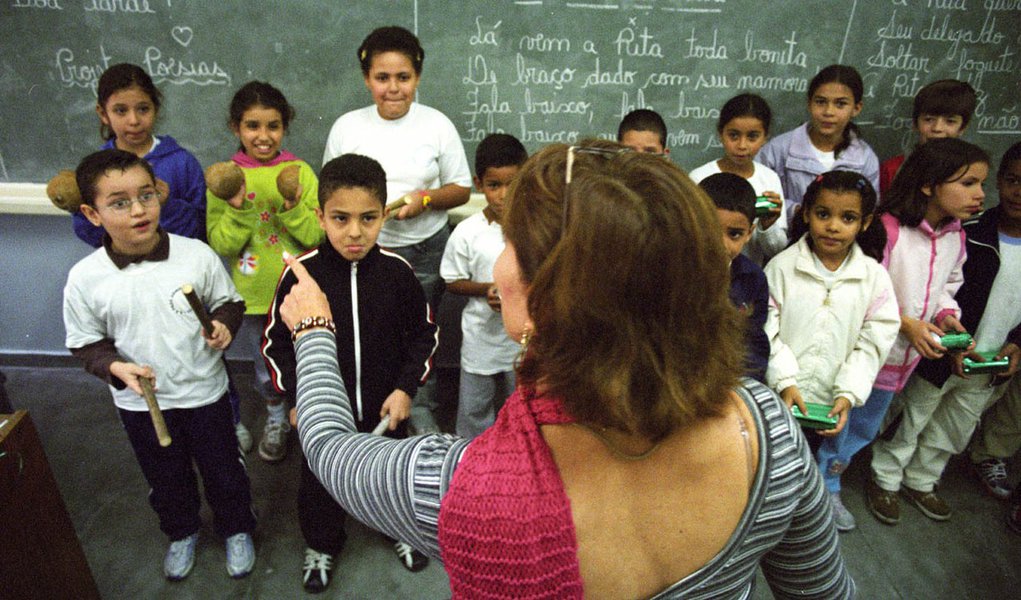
{"type": "Point", "coordinates": [40, 555]}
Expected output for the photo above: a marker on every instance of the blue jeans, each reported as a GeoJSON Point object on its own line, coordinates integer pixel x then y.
{"type": "Point", "coordinates": [835, 453]}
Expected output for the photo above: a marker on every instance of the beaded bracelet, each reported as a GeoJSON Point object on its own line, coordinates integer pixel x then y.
{"type": "Point", "coordinates": [310, 322]}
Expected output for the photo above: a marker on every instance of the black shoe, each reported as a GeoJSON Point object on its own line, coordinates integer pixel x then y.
{"type": "Point", "coordinates": [1014, 518]}
{"type": "Point", "coordinates": [316, 572]}
{"type": "Point", "coordinates": [411, 559]}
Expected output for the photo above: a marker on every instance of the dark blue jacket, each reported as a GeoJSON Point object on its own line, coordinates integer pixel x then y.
{"type": "Point", "coordinates": [980, 269]}
{"type": "Point", "coordinates": [749, 291]}
{"type": "Point", "coordinates": [184, 212]}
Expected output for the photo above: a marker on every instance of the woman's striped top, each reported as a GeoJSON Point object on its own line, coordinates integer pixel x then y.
{"type": "Point", "coordinates": [396, 487]}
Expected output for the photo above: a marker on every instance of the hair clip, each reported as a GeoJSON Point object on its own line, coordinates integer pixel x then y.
{"type": "Point", "coordinates": [818, 178]}
{"type": "Point", "coordinates": [363, 54]}
{"type": "Point", "coordinates": [860, 184]}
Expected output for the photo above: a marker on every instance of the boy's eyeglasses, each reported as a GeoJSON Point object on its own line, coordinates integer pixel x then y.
{"type": "Point", "coordinates": [124, 204]}
{"type": "Point", "coordinates": [607, 153]}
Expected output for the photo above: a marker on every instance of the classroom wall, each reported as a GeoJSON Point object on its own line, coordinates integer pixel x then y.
{"type": "Point", "coordinates": [543, 70]}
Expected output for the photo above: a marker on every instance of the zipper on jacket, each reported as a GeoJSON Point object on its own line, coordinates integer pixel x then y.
{"type": "Point", "coordinates": [358, 339]}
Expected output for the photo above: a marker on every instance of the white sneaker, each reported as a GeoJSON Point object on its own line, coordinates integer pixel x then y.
{"type": "Point", "coordinates": [240, 555]}
{"type": "Point", "coordinates": [244, 437]}
{"type": "Point", "coordinates": [273, 446]}
{"type": "Point", "coordinates": [841, 516]}
{"type": "Point", "coordinates": [180, 558]}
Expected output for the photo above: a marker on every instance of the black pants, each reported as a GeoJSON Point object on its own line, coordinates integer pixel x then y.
{"type": "Point", "coordinates": [320, 517]}
{"type": "Point", "coordinates": [204, 436]}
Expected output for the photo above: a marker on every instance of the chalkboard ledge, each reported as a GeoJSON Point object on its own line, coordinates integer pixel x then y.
{"type": "Point", "coordinates": [27, 199]}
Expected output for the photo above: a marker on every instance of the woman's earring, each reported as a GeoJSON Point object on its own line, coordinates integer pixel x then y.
{"type": "Point", "coordinates": [526, 336]}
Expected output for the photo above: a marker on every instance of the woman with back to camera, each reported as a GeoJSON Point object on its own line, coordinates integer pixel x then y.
{"type": "Point", "coordinates": [630, 462]}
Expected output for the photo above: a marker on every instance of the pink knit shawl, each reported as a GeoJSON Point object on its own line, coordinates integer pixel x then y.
{"type": "Point", "coordinates": [505, 527]}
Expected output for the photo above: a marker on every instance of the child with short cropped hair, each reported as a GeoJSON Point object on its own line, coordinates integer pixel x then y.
{"type": "Point", "coordinates": [734, 198]}
{"type": "Point", "coordinates": [487, 354]}
{"type": "Point", "coordinates": [124, 311]}
{"type": "Point", "coordinates": [643, 130]}
{"type": "Point", "coordinates": [941, 109]}
{"type": "Point", "coordinates": [385, 333]}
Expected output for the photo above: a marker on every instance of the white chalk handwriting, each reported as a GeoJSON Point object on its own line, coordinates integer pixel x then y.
{"type": "Point", "coordinates": [119, 6]}
{"type": "Point", "coordinates": [49, 4]}
{"type": "Point", "coordinates": [72, 74]}
{"type": "Point", "coordinates": [171, 70]}
{"type": "Point", "coordinates": [482, 38]}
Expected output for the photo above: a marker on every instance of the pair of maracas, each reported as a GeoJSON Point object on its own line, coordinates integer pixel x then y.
{"type": "Point", "coordinates": [223, 179]}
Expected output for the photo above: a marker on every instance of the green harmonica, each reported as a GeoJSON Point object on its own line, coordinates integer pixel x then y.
{"type": "Point", "coordinates": [763, 204]}
{"type": "Point", "coordinates": [991, 364]}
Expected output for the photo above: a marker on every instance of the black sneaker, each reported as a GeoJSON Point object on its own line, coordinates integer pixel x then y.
{"type": "Point", "coordinates": [316, 571]}
{"type": "Point", "coordinates": [992, 473]}
{"type": "Point", "coordinates": [411, 559]}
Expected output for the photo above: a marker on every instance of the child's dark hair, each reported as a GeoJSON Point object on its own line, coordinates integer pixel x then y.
{"type": "Point", "coordinates": [931, 164]}
{"type": "Point", "coordinates": [946, 97]}
{"type": "Point", "coordinates": [731, 192]}
{"type": "Point", "coordinates": [352, 171]}
{"type": "Point", "coordinates": [1011, 156]}
{"type": "Point", "coordinates": [391, 39]}
{"type": "Point", "coordinates": [745, 105]}
{"type": "Point", "coordinates": [849, 77]}
{"type": "Point", "coordinates": [643, 119]}
{"type": "Point", "coordinates": [97, 164]}
{"type": "Point", "coordinates": [121, 77]}
{"type": "Point", "coordinates": [259, 93]}
{"type": "Point", "coordinates": [871, 240]}
{"type": "Point", "coordinates": [499, 150]}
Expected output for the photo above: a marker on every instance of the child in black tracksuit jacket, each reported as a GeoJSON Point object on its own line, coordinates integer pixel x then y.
{"type": "Point", "coordinates": [385, 336]}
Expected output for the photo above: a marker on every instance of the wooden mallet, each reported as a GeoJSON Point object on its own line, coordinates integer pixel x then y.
{"type": "Point", "coordinates": [154, 411]}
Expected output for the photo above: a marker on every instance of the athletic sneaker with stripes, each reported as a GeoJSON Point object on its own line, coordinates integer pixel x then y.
{"type": "Point", "coordinates": [411, 559]}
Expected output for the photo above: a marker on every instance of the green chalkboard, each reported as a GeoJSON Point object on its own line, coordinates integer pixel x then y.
{"type": "Point", "coordinates": [543, 70]}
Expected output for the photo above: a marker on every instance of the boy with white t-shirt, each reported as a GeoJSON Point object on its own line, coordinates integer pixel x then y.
{"type": "Point", "coordinates": [487, 354]}
{"type": "Point", "coordinates": [127, 320]}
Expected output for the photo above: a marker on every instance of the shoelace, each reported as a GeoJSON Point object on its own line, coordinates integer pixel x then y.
{"type": "Point", "coordinates": [996, 470]}
{"type": "Point", "coordinates": [275, 432]}
{"type": "Point", "coordinates": [404, 552]}
{"type": "Point", "coordinates": [317, 561]}
{"type": "Point", "coordinates": [181, 546]}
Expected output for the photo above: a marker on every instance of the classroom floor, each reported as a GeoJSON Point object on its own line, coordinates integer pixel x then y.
{"type": "Point", "coordinates": [973, 555]}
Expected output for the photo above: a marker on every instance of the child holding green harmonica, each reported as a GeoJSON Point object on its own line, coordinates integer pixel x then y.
{"type": "Point", "coordinates": [832, 317]}
{"type": "Point", "coordinates": [990, 301]}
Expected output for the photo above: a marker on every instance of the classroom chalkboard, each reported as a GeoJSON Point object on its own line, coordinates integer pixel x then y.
{"type": "Point", "coordinates": [543, 70]}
